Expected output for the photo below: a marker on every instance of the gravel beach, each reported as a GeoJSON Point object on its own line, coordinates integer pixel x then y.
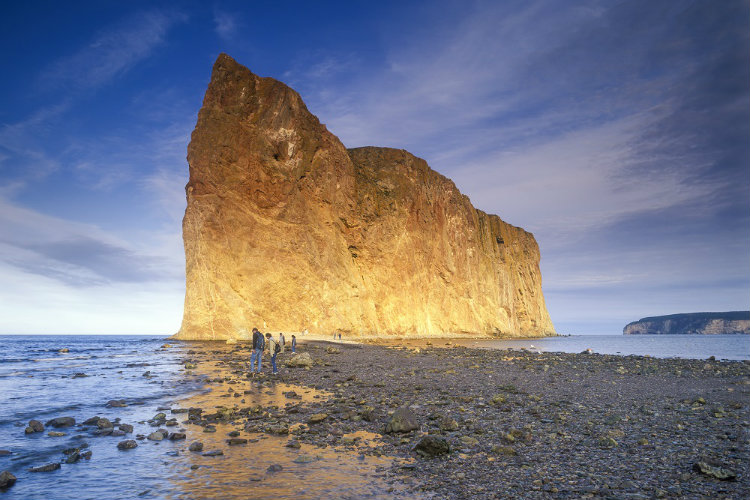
{"type": "Point", "coordinates": [478, 423]}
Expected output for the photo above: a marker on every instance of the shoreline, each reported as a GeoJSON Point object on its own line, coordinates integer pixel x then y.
{"type": "Point", "coordinates": [527, 424]}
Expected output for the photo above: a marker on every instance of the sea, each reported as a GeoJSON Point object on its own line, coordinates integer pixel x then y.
{"type": "Point", "coordinates": [39, 380]}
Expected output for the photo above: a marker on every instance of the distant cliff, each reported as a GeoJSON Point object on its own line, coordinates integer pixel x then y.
{"type": "Point", "coordinates": [714, 323]}
{"type": "Point", "coordinates": [287, 230]}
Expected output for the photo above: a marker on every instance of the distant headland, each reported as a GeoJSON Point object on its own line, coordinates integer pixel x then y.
{"type": "Point", "coordinates": [702, 323]}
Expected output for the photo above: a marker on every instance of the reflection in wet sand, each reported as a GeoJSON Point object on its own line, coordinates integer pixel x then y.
{"type": "Point", "coordinates": [272, 462]}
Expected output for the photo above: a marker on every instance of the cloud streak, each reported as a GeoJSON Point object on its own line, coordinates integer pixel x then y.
{"type": "Point", "coordinates": [112, 52]}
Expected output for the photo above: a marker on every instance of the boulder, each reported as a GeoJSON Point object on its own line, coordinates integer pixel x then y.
{"type": "Point", "coordinates": [155, 436]}
{"type": "Point", "coordinates": [196, 446]}
{"type": "Point", "coordinates": [104, 423]}
{"type": "Point", "coordinates": [299, 360]}
{"type": "Point", "coordinates": [402, 420]}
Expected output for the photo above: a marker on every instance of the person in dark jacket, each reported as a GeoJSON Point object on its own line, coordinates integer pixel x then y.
{"type": "Point", "coordinates": [294, 344]}
{"type": "Point", "coordinates": [258, 344]}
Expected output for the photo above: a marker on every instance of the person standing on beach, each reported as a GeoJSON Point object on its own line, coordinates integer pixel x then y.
{"type": "Point", "coordinates": [273, 348]}
{"type": "Point", "coordinates": [282, 341]}
{"type": "Point", "coordinates": [257, 350]}
{"type": "Point", "coordinates": [294, 344]}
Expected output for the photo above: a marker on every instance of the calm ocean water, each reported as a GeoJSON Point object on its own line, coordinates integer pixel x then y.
{"type": "Point", "coordinates": [39, 382]}
{"type": "Point", "coordinates": [733, 347]}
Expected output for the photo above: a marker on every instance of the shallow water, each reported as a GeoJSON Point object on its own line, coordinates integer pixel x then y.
{"type": "Point", "coordinates": [733, 347]}
{"type": "Point", "coordinates": [36, 382]}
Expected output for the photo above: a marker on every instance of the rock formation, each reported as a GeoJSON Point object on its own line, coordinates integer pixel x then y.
{"type": "Point", "coordinates": [287, 230]}
{"type": "Point", "coordinates": [692, 324]}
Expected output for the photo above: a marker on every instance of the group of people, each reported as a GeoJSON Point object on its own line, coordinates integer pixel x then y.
{"type": "Point", "coordinates": [268, 343]}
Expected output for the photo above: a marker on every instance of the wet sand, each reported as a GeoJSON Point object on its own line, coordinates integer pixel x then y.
{"type": "Point", "coordinates": [519, 424]}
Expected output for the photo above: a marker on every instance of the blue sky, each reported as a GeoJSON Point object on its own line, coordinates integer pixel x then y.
{"type": "Point", "coordinates": [616, 131]}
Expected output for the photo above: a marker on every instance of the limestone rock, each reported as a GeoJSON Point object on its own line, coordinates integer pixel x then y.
{"type": "Point", "coordinates": [287, 228]}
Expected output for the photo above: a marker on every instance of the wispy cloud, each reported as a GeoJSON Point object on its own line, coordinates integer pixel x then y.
{"type": "Point", "coordinates": [75, 253]}
{"type": "Point", "coordinates": [225, 25]}
{"type": "Point", "coordinates": [112, 52]}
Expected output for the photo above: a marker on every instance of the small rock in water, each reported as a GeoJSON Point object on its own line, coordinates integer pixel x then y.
{"type": "Point", "coordinates": [73, 457]}
{"type": "Point", "coordinates": [64, 350]}
{"type": "Point", "coordinates": [91, 421]}
{"type": "Point", "coordinates": [234, 441]}
{"type": "Point", "coordinates": [176, 436]}
{"type": "Point", "coordinates": [274, 468]}
{"type": "Point", "coordinates": [213, 453]}
{"type": "Point", "coordinates": [116, 403]}
{"type": "Point", "coordinates": [304, 459]}
{"type": "Point", "coordinates": [45, 468]}
{"type": "Point", "coordinates": [4, 453]}
{"type": "Point", "coordinates": [55, 434]}
{"type": "Point", "coordinates": [127, 428]}
{"type": "Point", "coordinates": [34, 426]}
{"type": "Point", "coordinates": [155, 436]}
{"type": "Point", "coordinates": [6, 479]}
{"type": "Point", "coordinates": [196, 446]}
{"type": "Point", "coordinates": [80, 375]}
{"type": "Point", "coordinates": [61, 422]}
{"type": "Point", "coordinates": [103, 423]}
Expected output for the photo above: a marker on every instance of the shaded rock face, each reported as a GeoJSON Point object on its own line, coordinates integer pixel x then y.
{"type": "Point", "coordinates": [717, 323]}
{"type": "Point", "coordinates": [286, 230]}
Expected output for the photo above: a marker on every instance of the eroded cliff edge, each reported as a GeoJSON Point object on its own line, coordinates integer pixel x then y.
{"type": "Point", "coordinates": [706, 323]}
{"type": "Point", "coordinates": [285, 229]}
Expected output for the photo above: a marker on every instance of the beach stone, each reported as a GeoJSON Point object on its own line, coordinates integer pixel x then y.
{"type": "Point", "coordinates": [117, 433]}
{"type": "Point", "coordinates": [294, 444]}
{"type": "Point", "coordinates": [196, 446]}
{"type": "Point", "coordinates": [80, 375]}
{"type": "Point", "coordinates": [55, 434]}
{"type": "Point", "coordinates": [64, 350]}
{"type": "Point", "coordinates": [127, 428]}
{"type": "Point", "coordinates": [34, 426]}
{"type": "Point", "coordinates": [448, 424]}
{"type": "Point", "coordinates": [235, 441]}
{"type": "Point", "coordinates": [177, 436]}
{"type": "Point", "coordinates": [104, 423]}
{"type": "Point", "coordinates": [160, 416]}
{"type": "Point", "coordinates": [504, 450]}
{"type": "Point", "coordinates": [714, 471]}
{"type": "Point", "coordinates": [317, 418]}
{"type": "Point", "coordinates": [61, 422]}
{"type": "Point", "coordinates": [73, 457]}
{"type": "Point", "coordinates": [275, 468]}
{"type": "Point", "coordinates": [45, 468]}
{"type": "Point", "coordinates": [6, 479]}
{"type": "Point", "coordinates": [128, 444]}
{"type": "Point", "coordinates": [91, 421]}
{"type": "Point", "coordinates": [432, 446]}
{"type": "Point", "coordinates": [402, 420]}
{"type": "Point", "coordinates": [213, 453]}
{"type": "Point", "coordinates": [86, 454]}
{"type": "Point", "coordinates": [116, 403]}
{"type": "Point", "coordinates": [190, 366]}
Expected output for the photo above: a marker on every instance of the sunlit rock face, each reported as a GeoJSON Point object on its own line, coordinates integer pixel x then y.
{"type": "Point", "coordinates": [287, 230]}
